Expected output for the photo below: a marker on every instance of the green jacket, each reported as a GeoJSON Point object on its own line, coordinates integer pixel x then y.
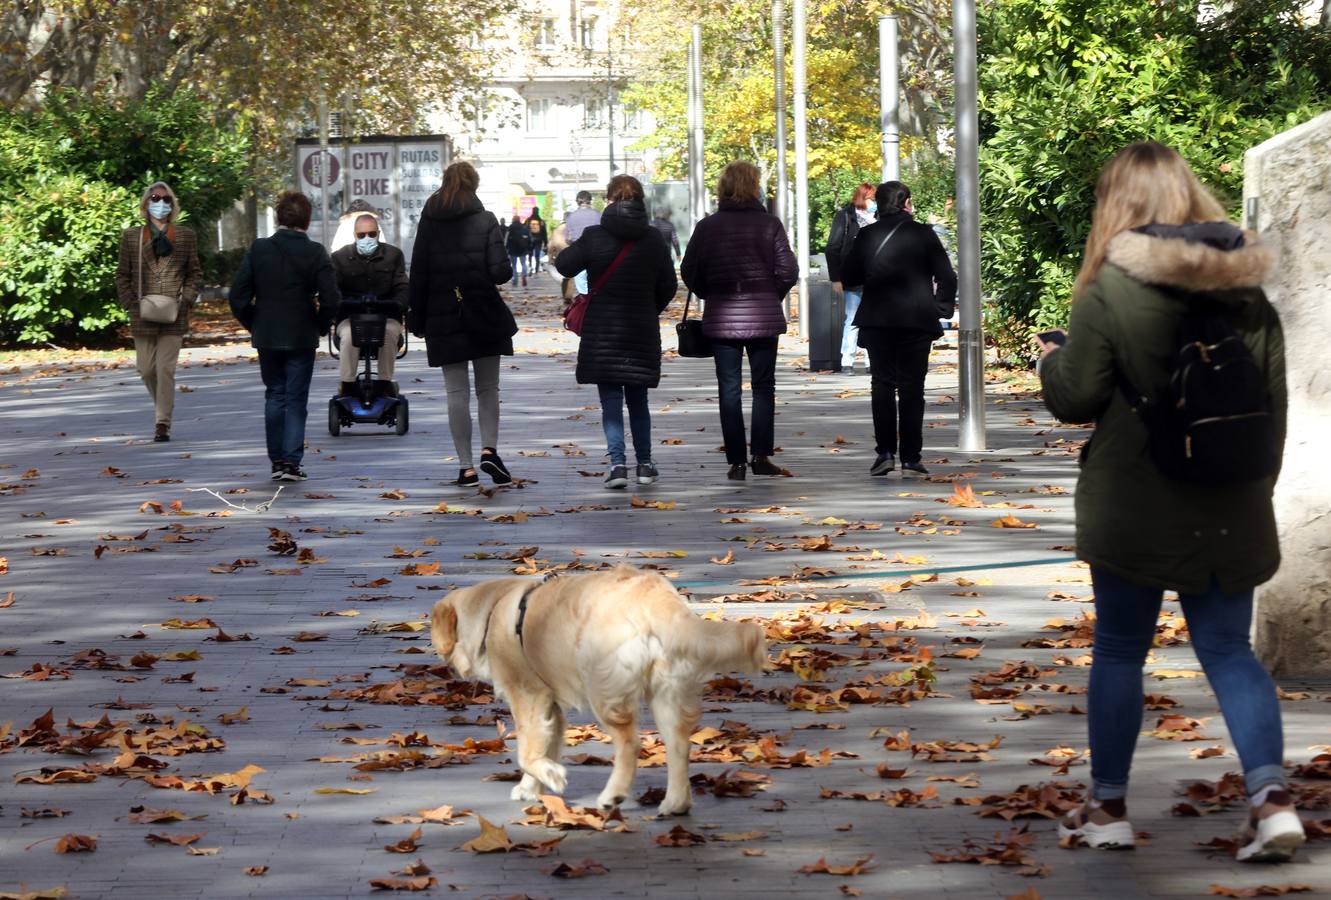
{"type": "Point", "coordinates": [1131, 519]}
{"type": "Point", "coordinates": [274, 292]}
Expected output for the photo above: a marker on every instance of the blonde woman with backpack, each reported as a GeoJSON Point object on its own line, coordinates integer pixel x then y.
{"type": "Point", "coordinates": [1161, 258]}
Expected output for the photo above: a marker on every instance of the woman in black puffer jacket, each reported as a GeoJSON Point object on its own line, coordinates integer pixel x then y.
{"type": "Point", "coordinates": [620, 350]}
{"type": "Point", "coordinates": [457, 261]}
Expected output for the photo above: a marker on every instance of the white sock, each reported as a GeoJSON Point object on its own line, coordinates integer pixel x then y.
{"type": "Point", "coordinates": [1259, 798]}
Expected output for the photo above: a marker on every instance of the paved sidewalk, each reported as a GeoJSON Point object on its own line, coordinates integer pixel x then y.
{"type": "Point", "coordinates": [327, 669]}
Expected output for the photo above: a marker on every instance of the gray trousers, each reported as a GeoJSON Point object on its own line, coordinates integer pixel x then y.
{"type": "Point", "coordinates": [457, 385]}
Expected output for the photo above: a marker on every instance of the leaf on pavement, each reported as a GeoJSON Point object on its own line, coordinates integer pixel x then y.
{"type": "Point", "coordinates": [178, 840]}
{"type": "Point", "coordinates": [492, 839]}
{"type": "Point", "coordinates": [407, 845]}
{"type": "Point", "coordinates": [1262, 890]}
{"type": "Point", "coordinates": [588, 867]}
{"type": "Point", "coordinates": [821, 867]}
{"type": "Point", "coordinates": [76, 843]}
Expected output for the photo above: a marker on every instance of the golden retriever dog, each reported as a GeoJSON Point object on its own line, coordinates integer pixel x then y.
{"type": "Point", "coordinates": [604, 642]}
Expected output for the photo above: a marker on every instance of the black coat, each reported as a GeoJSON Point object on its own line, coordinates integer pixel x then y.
{"type": "Point", "coordinates": [899, 277]}
{"type": "Point", "coordinates": [739, 261]}
{"type": "Point", "coordinates": [845, 225]}
{"type": "Point", "coordinates": [459, 251]}
{"type": "Point", "coordinates": [383, 273]}
{"type": "Point", "coordinates": [273, 294]}
{"type": "Point", "coordinates": [517, 240]}
{"type": "Point", "coordinates": [541, 236]}
{"type": "Point", "coordinates": [621, 335]}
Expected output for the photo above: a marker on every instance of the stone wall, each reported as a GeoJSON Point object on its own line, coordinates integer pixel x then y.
{"type": "Point", "coordinates": [1287, 199]}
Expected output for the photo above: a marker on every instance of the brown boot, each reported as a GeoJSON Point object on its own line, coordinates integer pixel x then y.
{"type": "Point", "coordinates": [162, 433]}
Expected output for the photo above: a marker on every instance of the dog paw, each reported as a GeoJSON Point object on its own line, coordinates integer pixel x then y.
{"type": "Point", "coordinates": [675, 806]}
{"type": "Point", "coordinates": [551, 774]}
{"type": "Point", "coordinates": [525, 790]}
{"type": "Point", "coordinates": [610, 800]}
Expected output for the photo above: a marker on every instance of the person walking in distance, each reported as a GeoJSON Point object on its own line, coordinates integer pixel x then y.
{"type": "Point", "coordinates": [518, 244]}
{"type": "Point", "coordinates": [159, 257]}
{"type": "Point", "coordinates": [738, 260]}
{"type": "Point", "coordinates": [859, 213]}
{"type": "Point", "coordinates": [633, 281]}
{"type": "Point", "coordinates": [576, 222]}
{"type": "Point", "coordinates": [661, 222]}
{"type": "Point", "coordinates": [370, 267]}
{"type": "Point", "coordinates": [274, 297]}
{"type": "Point", "coordinates": [539, 237]}
{"type": "Point", "coordinates": [909, 285]}
{"type": "Point", "coordinates": [456, 264]}
{"type": "Point", "coordinates": [1162, 260]}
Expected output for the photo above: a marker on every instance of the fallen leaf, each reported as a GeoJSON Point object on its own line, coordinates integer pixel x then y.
{"type": "Point", "coordinates": [492, 839]}
{"type": "Point", "coordinates": [257, 870]}
{"type": "Point", "coordinates": [821, 867]}
{"type": "Point", "coordinates": [76, 843]}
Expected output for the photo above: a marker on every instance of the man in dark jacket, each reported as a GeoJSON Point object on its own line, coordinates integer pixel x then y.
{"type": "Point", "coordinates": [909, 284]}
{"type": "Point", "coordinates": [368, 267]}
{"type": "Point", "coordinates": [661, 222]}
{"type": "Point", "coordinates": [274, 297]}
{"type": "Point", "coordinates": [738, 260]}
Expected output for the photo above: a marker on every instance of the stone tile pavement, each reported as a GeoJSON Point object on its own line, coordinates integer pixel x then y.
{"type": "Point", "coordinates": [79, 474]}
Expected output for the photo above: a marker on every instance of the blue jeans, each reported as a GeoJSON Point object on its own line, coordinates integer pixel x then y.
{"type": "Point", "coordinates": [286, 380]}
{"type": "Point", "coordinates": [1125, 622]}
{"type": "Point", "coordinates": [729, 359]}
{"type": "Point", "coordinates": [514, 259]}
{"type": "Point", "coordinates": [613, 397]}
{"type": "Point", "coordinates": [850, 335]}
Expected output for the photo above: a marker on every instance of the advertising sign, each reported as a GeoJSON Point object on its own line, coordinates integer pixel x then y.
{"type": "Point", "coordinates": [394, 175]}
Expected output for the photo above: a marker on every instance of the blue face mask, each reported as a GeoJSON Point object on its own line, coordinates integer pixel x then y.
{"type": "Point", "coordinates": [159, 210]}
{"type": "Point", "coordinates": [871, 207]}
{"type": "Point", "coordinates": [367, 245]}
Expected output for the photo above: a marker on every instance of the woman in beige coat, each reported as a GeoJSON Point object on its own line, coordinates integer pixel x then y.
{"type": "Point", "coordinates": [159, 257]}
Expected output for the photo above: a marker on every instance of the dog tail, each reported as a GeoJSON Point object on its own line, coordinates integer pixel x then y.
{"type": "Point", "coordinates": [717, 646]}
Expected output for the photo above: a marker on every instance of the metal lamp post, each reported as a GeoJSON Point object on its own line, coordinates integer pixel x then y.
{"type": "Point", "coordinates": [970, 336]}
{"type": "Point", "coordinates": [799, 39]}
{"type": "Point", "coordinates": [888, 94]}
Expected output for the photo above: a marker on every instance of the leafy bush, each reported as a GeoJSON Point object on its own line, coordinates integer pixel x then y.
{"type": "Point", "coordinates": [1065, 83]}
{"type": "Point", "coordinates": [71, 175]}
{"type": "Point", "coordinates": [220, 266]}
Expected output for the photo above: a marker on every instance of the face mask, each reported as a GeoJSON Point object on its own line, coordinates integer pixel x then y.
{"type": "Point", "coordinates": [159, 210]}
{"type": "Point", "coordinates": [367, 245]}
{"type": "Point", "coordinates": [871, 207]}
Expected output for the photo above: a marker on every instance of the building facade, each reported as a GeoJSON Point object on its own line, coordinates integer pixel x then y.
{"type": "Point", "coordinates": [547, 124]}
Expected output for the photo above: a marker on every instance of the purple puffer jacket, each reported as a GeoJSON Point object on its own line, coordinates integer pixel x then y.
{"type": "Point", "coordinates": [739, 261]}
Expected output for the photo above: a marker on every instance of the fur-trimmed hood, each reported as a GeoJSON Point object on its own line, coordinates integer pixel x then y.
{"type": "Point", "coordinates": [1201, 257]}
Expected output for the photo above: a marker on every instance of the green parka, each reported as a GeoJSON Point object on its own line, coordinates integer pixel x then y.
{"type": "Point", "coordinates": [1131, 519]}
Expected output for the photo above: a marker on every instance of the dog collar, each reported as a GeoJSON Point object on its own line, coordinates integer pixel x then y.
{"type": "Point", "coordinates": [522, 610]}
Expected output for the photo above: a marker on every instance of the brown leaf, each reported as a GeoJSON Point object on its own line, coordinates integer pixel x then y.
{"type": "Point", "coordinates": [179, 840]}
{"type": "Point", "coordinates": [258, 870]}
{"type": "Point", "coordinates": [1263, 890]}
{"type": "Point", "coordinates": [76, 843]}
{"type": "Point", "coordinates": [679, 836]}
{"type": "Point", "coordinates": [588, 867]}
{"type": "Point", "coordinates": [821, 867]}
{"type": "Point", "coordinates": [423, 883]}
{"type": "Point", "coordinates": [407, 844]}
{"type": "Point", "coordinates": [492, 839]}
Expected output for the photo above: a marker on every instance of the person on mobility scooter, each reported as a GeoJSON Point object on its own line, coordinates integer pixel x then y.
{"type": "Point", "coordinates": [372, 277]}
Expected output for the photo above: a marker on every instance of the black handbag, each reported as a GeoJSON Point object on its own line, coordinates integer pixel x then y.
{"type": "Point", "coordinates": [692, 342]}
{"type": "Point", "coordinates": [487, 318]}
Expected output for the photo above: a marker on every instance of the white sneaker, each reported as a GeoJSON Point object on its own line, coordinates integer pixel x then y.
{"type": "Point", "coordinates": [1117, 835]}
{"type": "Point", "coordinates": [1273, 838]}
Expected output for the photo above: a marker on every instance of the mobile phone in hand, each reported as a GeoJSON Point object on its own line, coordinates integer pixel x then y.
{"type": "Point", "coordinates": [1057, 336]}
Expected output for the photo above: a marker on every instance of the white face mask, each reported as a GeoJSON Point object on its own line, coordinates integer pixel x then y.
{"type": "Point", "coordinates": [367, 245]}
{"type": "Point", "coordinates": [159, 210]}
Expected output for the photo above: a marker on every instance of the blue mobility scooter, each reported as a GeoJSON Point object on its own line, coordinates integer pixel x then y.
{"type": "Point", "coordinates": [366, 405]}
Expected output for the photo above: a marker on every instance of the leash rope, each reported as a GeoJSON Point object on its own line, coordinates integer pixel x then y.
{"type": "Point", "coordinates": [932, 570]}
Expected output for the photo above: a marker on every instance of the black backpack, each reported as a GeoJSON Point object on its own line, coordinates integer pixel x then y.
{"type": "Point", "coordinates": [1212, 424]}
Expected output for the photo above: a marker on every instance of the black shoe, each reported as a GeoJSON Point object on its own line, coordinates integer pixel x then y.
{"type": "Point", "coordinates": [647, 473]}
{"type": "Point", "coordinates": [467, 477]}
{"type": "Point", "coordinates": [913, 467]}
{"type": "Point", "coordinates": [348, 389]}
{"type": "Point", "coordinates": [618, 478]}
{"type": "Point", "coordinates": [493, 466]}
{"type": "Point", "coordinates": [161, 434]}
{"type": "Point", "coordinates": [384, 389]}
{"type": "Point", "coordinates": [293, 472]}
{"type": "Point", "coordinates": [761, 465]}
{"type": "Point", "coordinates": [278, 468]}
{"type": "Point", "coordinates": [737, 472]}
{"type": "Point", "coordinates": [885, 463]}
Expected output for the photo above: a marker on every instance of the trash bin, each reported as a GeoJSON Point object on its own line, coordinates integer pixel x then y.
{"type": "Point", "coordinates": [827, 316]}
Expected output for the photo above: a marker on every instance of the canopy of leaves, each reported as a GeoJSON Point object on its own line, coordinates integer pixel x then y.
{"type": "Point", "coordinates": [1065, 83]}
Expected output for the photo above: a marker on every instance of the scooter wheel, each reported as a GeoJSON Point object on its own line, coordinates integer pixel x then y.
{"type": "Point", "coordinates": [403, 416]}
{"type": "Point", "coordinates": [334, 418]}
